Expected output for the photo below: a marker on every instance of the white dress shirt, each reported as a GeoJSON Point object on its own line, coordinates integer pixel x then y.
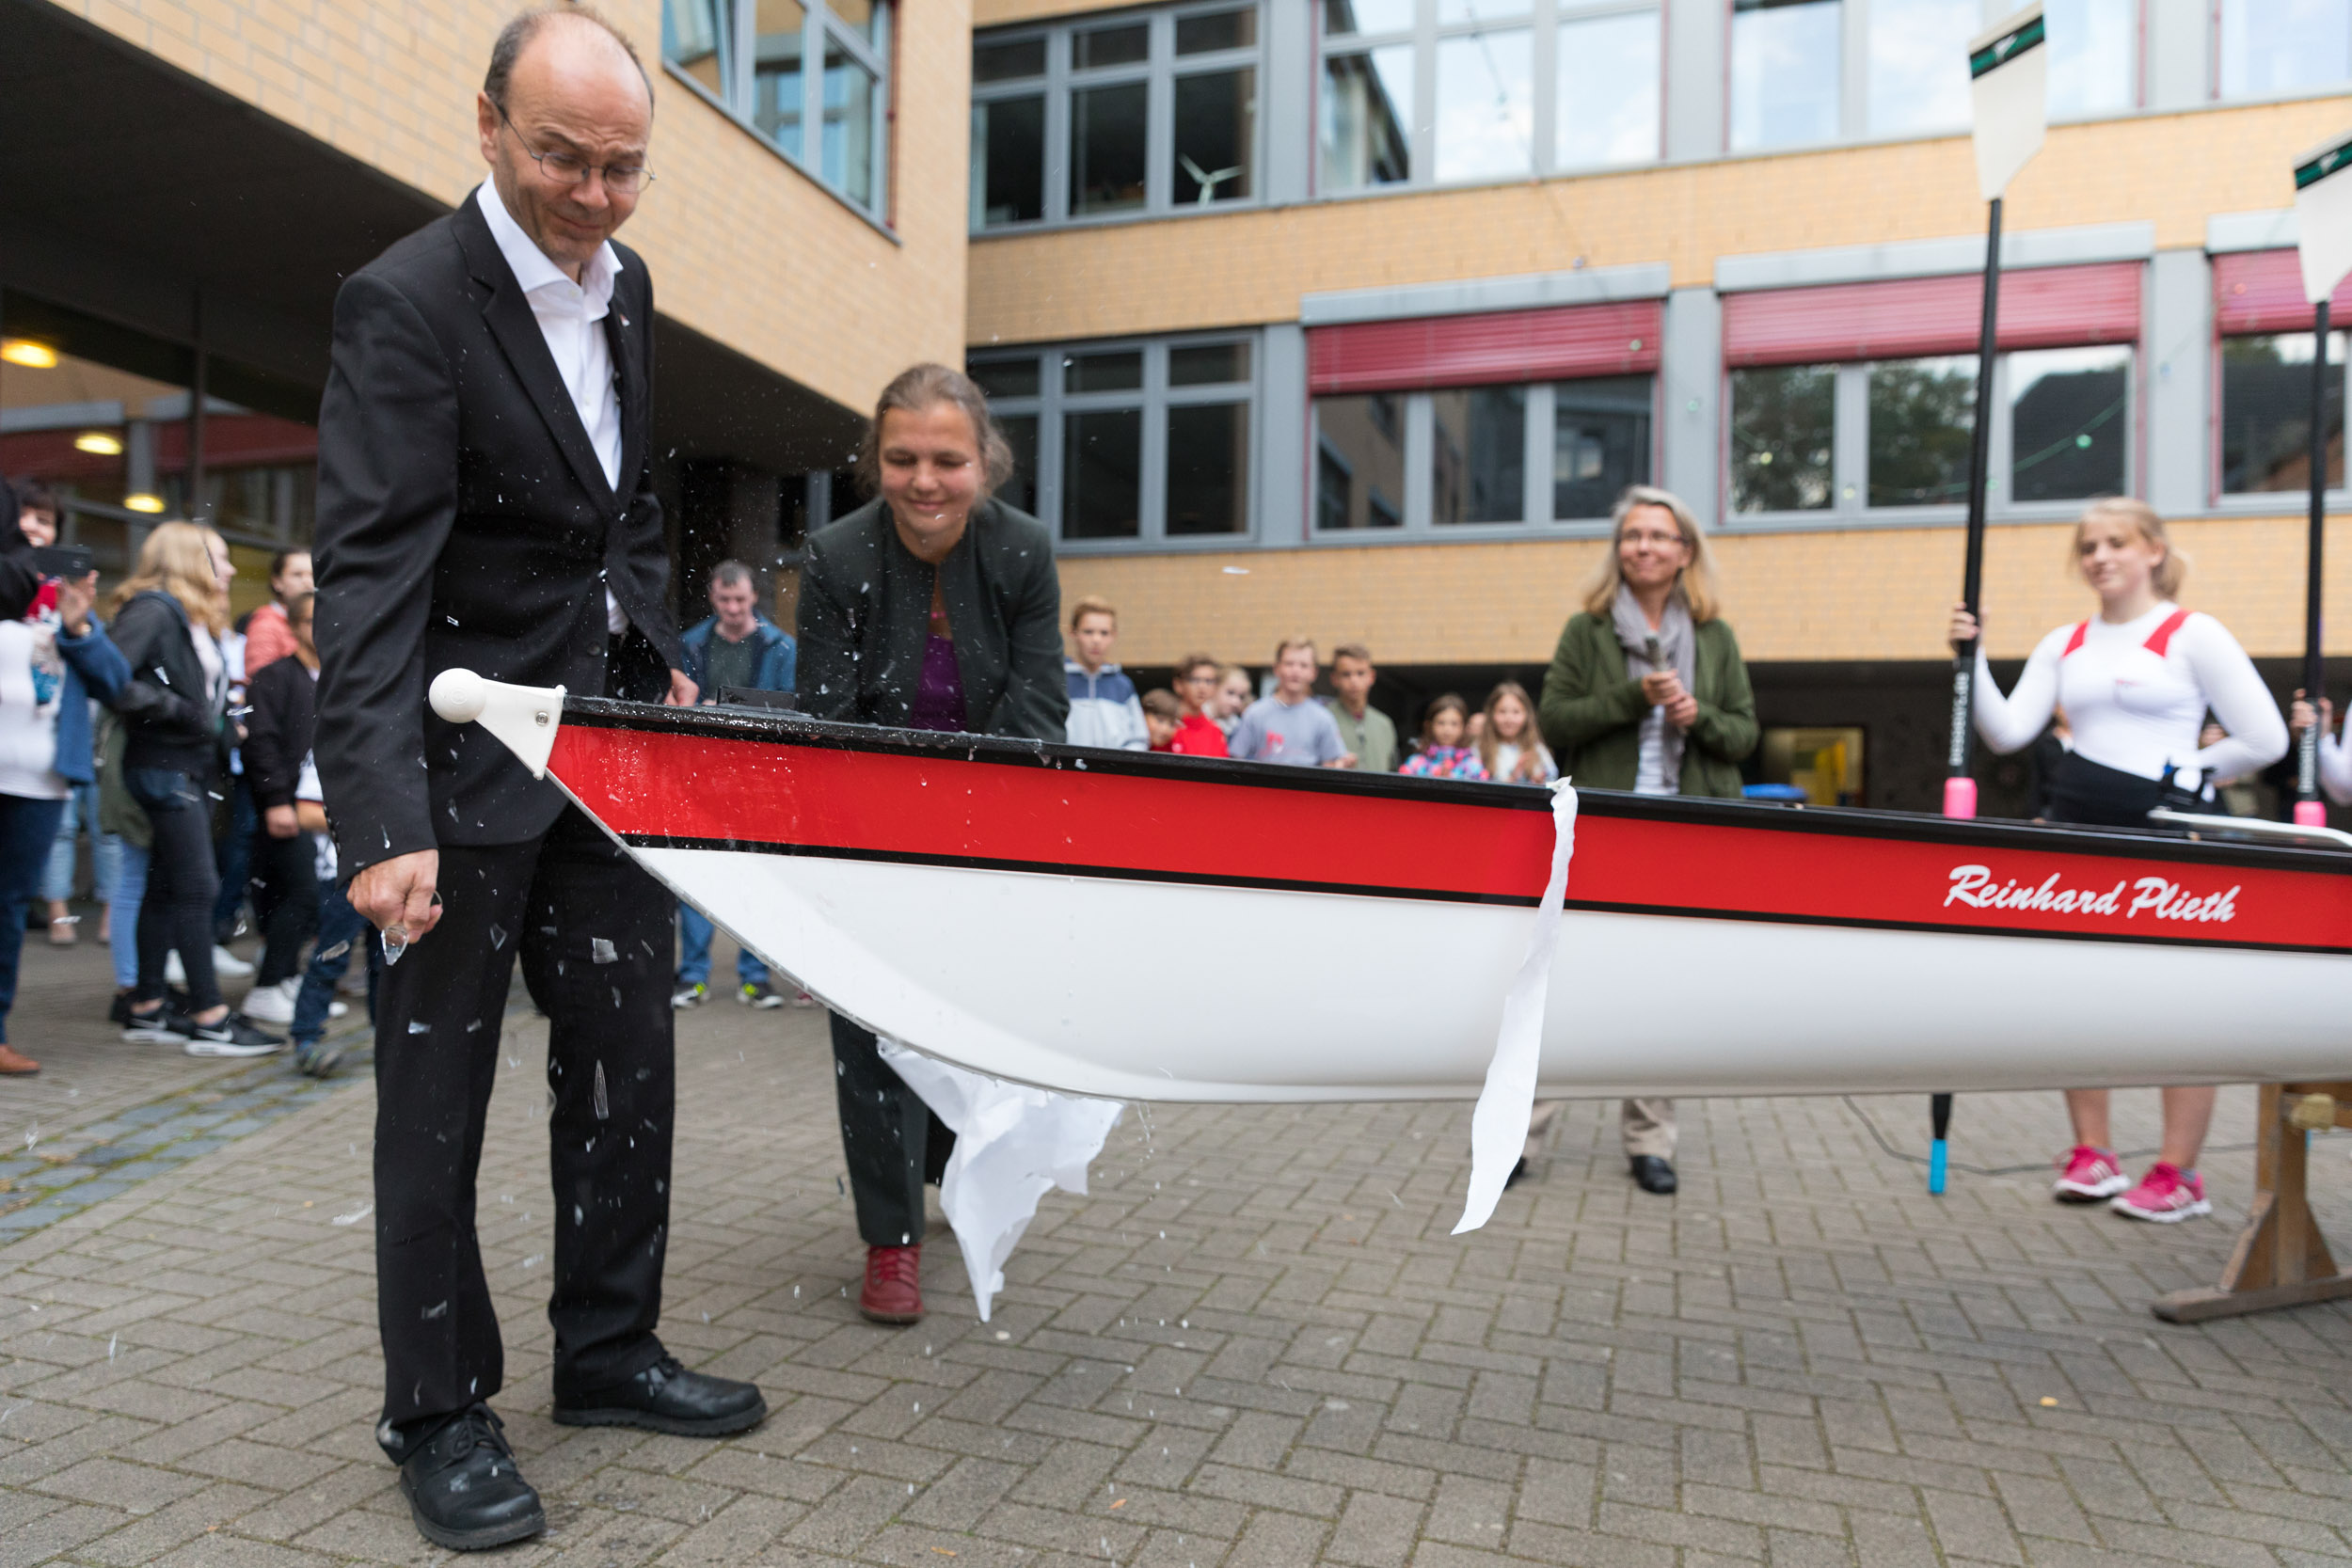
{"type": "Point", "coordinates": [571, 319]}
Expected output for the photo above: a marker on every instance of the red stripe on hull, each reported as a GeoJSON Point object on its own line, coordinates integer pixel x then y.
{"type": "Point", "coordinates": [655, 784]}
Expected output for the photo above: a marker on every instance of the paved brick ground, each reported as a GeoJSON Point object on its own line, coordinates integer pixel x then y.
{"type": "Point", "coordinates": [1254, 1344]}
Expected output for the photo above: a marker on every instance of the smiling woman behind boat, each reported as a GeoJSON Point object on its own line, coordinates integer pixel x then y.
{"type": "Point", "coordinates": [2135, 680]}
{"type": "Point", "coordinates": [1647, 692]}
{"type": "Point", "coordinates": [933, 606]}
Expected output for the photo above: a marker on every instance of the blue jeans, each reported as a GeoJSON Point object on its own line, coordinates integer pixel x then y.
{"type": "Point", "coordinates": [693, 967]}
{"type": "Point", "coordinates": [232, 859]}
{"type": "Point", "coordinates": [129, 893]}
{"type": "Point", "coordinates": [341, 932]}
{"type": "Point", "coordinates": [25, 828]}
{"type": "Point", "coordinates": [81, 813]}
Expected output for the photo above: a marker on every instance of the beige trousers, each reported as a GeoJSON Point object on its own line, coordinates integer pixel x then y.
{"type": "Point", "coordinates": [1646, 1125]}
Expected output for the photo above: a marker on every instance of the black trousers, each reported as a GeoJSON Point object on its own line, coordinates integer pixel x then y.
{"type": "Point", "coordinates": [181, 883]}
{"type": "Point", "coordinates": [593, 934]}
{"type": "Point", "coordinates": [286, 893]}
{"type": "Point", "coordinates": [893, 1141]}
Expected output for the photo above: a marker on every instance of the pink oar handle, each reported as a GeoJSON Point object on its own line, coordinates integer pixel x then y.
{"type": "Point", "coordinates": [1960, 796]}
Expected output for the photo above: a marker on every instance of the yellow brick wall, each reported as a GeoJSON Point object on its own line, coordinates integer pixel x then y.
{"type": "Point", "coordinates": [1238, 268]}
{"type": "Point", "coordinates": [742, 247]}
{"type": "Point", "coordinates": [1874, 593]}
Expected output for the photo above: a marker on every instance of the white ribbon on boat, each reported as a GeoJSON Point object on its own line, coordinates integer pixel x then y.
{"type": "Point", "coordinates": [1013, 1145]}
{"type": "Point", "coordinates": [1499, 1125]}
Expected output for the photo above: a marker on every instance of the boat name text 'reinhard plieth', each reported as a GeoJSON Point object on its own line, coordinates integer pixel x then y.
{"type": "Point", "coordinates": [2156, 896]}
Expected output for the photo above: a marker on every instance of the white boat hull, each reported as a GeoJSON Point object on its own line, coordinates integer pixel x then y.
{"type": "Point", "coordinates": [1098, 986]}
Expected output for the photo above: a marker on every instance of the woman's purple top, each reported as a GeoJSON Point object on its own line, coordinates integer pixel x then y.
{"type": "Point", "coordinates": [939, 701]}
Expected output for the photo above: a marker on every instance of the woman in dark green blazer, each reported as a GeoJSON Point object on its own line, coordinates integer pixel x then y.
{"type": "Point", "coordinates": [1647, 692]}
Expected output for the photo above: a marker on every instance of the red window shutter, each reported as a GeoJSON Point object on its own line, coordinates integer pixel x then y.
{"type": "Point", "coordinates": [2041, 307]}
{"type": "Point", "coordinates": [2262, 290]}
{"type": "Point", "coordinates": [1471, 351]}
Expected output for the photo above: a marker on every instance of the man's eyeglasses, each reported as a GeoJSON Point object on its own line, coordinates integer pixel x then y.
{"type": "Point", "coordinates": [569, 168]}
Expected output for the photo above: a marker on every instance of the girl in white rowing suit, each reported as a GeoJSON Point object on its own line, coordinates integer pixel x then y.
{"type": "Point", "coordinates": [2136, 680]}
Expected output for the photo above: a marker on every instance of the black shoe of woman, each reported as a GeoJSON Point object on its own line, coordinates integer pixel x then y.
{"type": "Point", "coordinates": [1653, 1174]}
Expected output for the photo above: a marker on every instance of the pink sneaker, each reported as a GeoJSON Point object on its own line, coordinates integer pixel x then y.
{"type": "Point", "coordinates": [2088, 1175]}
{"type": "Point", "coordinates": [2165, 1194]}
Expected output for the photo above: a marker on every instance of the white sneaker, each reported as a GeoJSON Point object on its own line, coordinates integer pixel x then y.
{"type": "Point", "coordinates": [273, 1003]}
{"type": "Point", "coordinates": [228, 965]}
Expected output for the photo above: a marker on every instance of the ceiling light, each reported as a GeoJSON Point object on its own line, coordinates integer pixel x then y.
{"type": "Point", "coordinates": [26, 352]}
{"type": "Point", "coordinates": [102, 443]}
{"type": "Point", "coordinates": [139, 500]}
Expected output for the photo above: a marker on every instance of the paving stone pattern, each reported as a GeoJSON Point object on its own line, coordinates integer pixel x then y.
{"type": "Point", "coordinates": [1254, 1343]}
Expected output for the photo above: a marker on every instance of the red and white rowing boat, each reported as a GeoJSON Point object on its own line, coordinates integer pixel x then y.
{"type": "Point", "coordinates": [1049, 914]}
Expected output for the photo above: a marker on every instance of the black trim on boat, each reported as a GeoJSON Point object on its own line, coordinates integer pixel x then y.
{"type": "Point", "coordinates": [759, 725]}
{"type": "Point", "coordinates": [1438, 895]}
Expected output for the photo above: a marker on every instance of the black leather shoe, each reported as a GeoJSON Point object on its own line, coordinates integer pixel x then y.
{"type": "Point", "coordinates": [1653, 1175]}
{"type": "Point", "coordinates": [465, 1490]}
{"type": "Point", "coordinates": [665, 1397]}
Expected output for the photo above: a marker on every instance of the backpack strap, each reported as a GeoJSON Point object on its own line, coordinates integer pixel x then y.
{"type": "Point", "coordinates": [2161, 639]}
{"type": "Point", "coordinates": [2082, 629]}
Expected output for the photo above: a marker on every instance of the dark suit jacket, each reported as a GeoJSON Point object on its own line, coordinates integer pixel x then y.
{"type": "Point", "coordinates": [865, 605]}
{"type": "Point", "coordinates": [465, 521]}
{"type": "Point", "coordinates": [279, 730]}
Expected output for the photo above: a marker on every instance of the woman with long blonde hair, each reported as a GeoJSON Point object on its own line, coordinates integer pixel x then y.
{"type": "Point", "coordinates": [2136, 680]}
{"type": "Point", "coordinates": [168, 617]}
{"type": "Point", "coordinates": [1647, 692]}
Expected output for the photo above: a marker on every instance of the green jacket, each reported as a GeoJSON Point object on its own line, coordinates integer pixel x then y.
{"type": "Point", "coordinates": [1591, 712]}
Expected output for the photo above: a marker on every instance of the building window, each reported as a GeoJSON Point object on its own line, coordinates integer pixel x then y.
{"type": "Point", "coordinates": [2270, 47]}
{"type": "Point", "coordinates": [751, 57]}
{"type": "Point", "coordinates": [1137, 443]}
{"type": "Point", "coordinates": [1794, 81]}
{"type": "Point", "coordinates": [1142, 114]}
{"type": "Point", "coordinates": [1444, 91]}
{"type": "Point", "coordinates": [2267, 412]}
{"type": "Point", "coordinates": [1788, 62]}
{"type": "Point", "coordinates": [1895, 435]}
{"type": "Point", "coordinates": [1464, 456]}
{"type": "Point", "coordinates": [2094, 56]}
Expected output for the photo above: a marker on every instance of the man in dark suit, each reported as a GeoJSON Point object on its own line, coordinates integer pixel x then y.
{"type": "Point", "coordinates": [485, 500]}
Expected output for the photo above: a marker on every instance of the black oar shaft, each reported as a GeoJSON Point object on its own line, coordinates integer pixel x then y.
{"type": "Point", "coordinates": [1972, 573]}
{"type": "Point", "coordinates": [2306, 757]}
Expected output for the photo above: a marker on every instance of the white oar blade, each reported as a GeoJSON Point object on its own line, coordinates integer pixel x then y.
{"type": "Point", "coordinates": [2323, 214]}
{"type": "Point", "coordinates": [2008, 73]}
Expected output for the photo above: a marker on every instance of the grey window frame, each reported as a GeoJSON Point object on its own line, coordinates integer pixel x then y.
{"type": "Point", "coordinates": [1418, 503]}
{"type": "Point", "coordinates": [1850, 453]}
{"type": "Point", "coordinates": [2218, 67]}
{"type": "Point", "coordinates": [1155, 398]}
{"type": "Point", "coordinates": [1854, 80]}
{"type": "Point", "coordinates": [1544, 17]}
{"type": "Point", "coordinates": [2266, 503]}
{"type": "Point", "coordinates": [818, 27]}
{"type": "Point", "coordinates": [1159, 68]}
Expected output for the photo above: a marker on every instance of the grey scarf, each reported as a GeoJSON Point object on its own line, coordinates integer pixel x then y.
{"type": "Point", "coordinates": [1672, 646]}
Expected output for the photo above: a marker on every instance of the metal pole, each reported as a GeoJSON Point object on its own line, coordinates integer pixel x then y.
{"type": "Point", "coordinates": [1960, 790]}
{"type": "Point", "coordinates": [2309, 811]}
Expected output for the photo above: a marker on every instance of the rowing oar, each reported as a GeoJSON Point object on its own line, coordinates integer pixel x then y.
{"type": "Point", "coordinates": [2008, 74]}
{"type": "Point", "coordinates": [2323, 214]}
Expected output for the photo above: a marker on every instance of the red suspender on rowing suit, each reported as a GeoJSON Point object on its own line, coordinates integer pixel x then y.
{"type": "Point", "coordinates": [2159, 641]}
